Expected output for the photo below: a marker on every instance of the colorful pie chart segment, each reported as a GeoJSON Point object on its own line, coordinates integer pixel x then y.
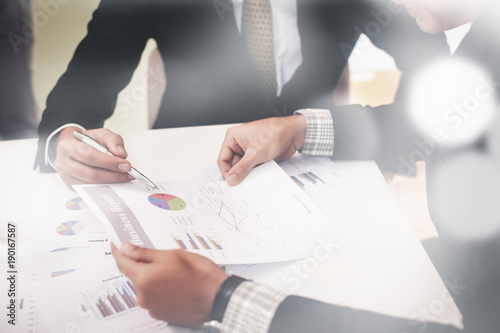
{"type": "Point", "coordinates": [76, 204]}
{"type": "Point", "coordinates": [70, 228]}
{"type": "Point", "coordinates": [167, 202]}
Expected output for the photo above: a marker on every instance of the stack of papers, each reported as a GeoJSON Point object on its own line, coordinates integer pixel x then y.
{"type": "Point", "coordinates": [267, 218]}
{"type": "Point", "coordinates": [262, 229]}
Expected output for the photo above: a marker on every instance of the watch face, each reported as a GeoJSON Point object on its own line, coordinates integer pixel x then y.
{"type": "Point", "coordinates": [211, 327]}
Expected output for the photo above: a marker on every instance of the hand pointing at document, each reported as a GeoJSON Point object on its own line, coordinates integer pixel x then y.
{"type": "Point", "coordinates": [249, 145]}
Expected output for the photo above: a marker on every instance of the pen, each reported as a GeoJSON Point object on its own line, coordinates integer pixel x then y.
{"type": "Point", "coordinates": [94, 144]}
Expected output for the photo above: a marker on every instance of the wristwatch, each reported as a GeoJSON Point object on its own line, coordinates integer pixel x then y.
{"type": "Point", "coordinates": [213, 326]}
{"type": "Point", "coordinates": [221, 301]}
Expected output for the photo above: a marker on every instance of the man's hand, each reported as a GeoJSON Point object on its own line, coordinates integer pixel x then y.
{"type": "Point", "coordinates": [175, 286]}
{"type": "Point", "coordinates": [78, 163]}
{"type": "Point", "coordinates": [261, 141]}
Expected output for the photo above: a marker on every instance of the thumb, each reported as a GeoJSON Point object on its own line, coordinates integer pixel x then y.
{"type": "Point", "coordinates": [137, 253]}
{"type": "Point", "coordinates": [241, 169]}
{"type": "Point", "coordinates": [111, 140]}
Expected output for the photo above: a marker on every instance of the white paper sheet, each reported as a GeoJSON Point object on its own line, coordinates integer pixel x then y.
{"type": "Point", "coordinates": [292, 277]}
{"type": "Point", "coordinates": [265, 219]}
{"type": "Point", "coordinates": [333, 186]}
{"type": "Point", "coordinates": [100, 299]}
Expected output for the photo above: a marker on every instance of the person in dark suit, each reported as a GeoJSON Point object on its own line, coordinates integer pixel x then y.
{"type": "Point", "coordinates": [17, 106]}
{"type": "Point", "coordinates": [212, 71]}
{"type": "Point", "coordinates": [463, 185]}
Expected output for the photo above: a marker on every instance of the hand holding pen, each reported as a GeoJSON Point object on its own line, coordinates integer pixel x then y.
{"type": "Point", "coordinates": [79, 163]}
{"type": "Point", "coordinates": [96, 145]}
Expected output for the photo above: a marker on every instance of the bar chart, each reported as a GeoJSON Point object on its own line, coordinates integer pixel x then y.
{"type": "Point", "coordinates": [116, 298]}
{"type": "Point", "coordinates": [307, 178]}
{"type": "Point", "coordinates": [204, 240]}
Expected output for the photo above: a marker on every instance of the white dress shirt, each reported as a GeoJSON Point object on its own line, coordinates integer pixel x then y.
{"type": "Point", "coordinates": [455, 37]}
{"type": "Point", "coordinates": [287, 46]}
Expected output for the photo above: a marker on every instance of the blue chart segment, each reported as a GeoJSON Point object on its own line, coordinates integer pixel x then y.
{"type": "Point", "coordinates": [307, 178]}
{"type": "Point", "coordinates": [167, 202]}
{"type": "Point", "coordinates": [60, 249]}
{"type": "Point", "coordinates": [63, 249]}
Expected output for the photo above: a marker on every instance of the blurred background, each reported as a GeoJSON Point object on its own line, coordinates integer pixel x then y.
{"type": "Point", "coordinates": [372, 80]}
{"type": "Point", "coordinates": [373, 75]}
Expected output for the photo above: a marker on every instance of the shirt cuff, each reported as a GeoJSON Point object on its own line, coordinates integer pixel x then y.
{"type": "Point", "coordinates": [320, 134]}
{"type": "Point", "coordinates": [50, 156]}
{"type": "Point", "coordinates": [251, 308]}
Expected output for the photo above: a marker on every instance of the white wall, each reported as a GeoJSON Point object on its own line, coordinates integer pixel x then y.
{"type": "Point", "coordinates": [60, 26]}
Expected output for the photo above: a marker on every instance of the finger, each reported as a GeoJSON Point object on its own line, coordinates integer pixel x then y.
{"type": "Point", "coordinates": [138, 253]}
{"type": "Point", "coordinates": [241, 170]}
{"type": "Point", "coordinates": [77, 173]}
{"type": "Point", "coordinates": [236, 159]}
{"type": "Point", "coordinates": [92, 157]}
{"type": "Point", "coordinates": [230, 149]}
{"type": "Point", "coordinates": [126, 265]}
{"type": "Point", "coordinates": [70, 149]}
{"type": "Point", "coordinates": [228, 160]}
{"type": "Point", "coordinates": [224, 161]}
{"type": "Point", "coordinates": [111, 140]}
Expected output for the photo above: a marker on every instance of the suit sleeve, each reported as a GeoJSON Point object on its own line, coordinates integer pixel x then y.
{"type": "Point", "coordinates": [101, 67]}
{"type": "Point", "coordinates": [385, 133]}
{"type": "Point", "coordinates": [297, 314]}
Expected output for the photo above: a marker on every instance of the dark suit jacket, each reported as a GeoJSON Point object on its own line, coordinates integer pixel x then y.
{"type": "Point", "coordinates": [17, 106]}
{"type": "Point", "coordinates": [385, 134]}
{"type": "Point", "coordinates": [211, 79]}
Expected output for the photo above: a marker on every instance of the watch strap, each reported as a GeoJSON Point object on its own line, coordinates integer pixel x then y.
{"type": "Point", "coordinates": [223, 296]}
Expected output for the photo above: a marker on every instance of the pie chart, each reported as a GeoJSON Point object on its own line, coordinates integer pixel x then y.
{"type": "Point", "coordinates": [70, 228]}
{"type": "Point", "coordinates": [75, 204]}
{"type": "Point", "coordinates": [167, 202]}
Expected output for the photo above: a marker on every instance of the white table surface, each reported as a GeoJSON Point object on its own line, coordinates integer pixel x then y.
{"type": "Point", "coordinates": [386, 270]}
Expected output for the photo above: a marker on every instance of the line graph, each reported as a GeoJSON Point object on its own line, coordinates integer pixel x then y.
{"type": "Point", "coordinates": [234, 220]}
{"type": "Point", "coordinates": [248, 230]}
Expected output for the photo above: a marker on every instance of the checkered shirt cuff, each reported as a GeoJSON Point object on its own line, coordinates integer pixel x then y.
{"type": "Point", "coordinates": [320, 134]}
{"type": "Point", "coordinates": [251, 308]}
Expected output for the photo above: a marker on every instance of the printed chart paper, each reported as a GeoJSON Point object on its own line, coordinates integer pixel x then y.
{"type": "Point", "coordinates": [267, 218]}
{"type": "Point", "coordinates": [69, 280]}
{"type": "Point", "coordinates": [336, 187]}
{"type": "Point", "coordinates": [98, 299]}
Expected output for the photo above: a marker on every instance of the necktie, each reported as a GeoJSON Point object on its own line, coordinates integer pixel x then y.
{"type": "Point", "coordinates": [257, 27]}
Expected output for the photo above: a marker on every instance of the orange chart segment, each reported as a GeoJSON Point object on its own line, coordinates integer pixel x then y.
{"type": "Point", "coordinates": [167, 202]}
